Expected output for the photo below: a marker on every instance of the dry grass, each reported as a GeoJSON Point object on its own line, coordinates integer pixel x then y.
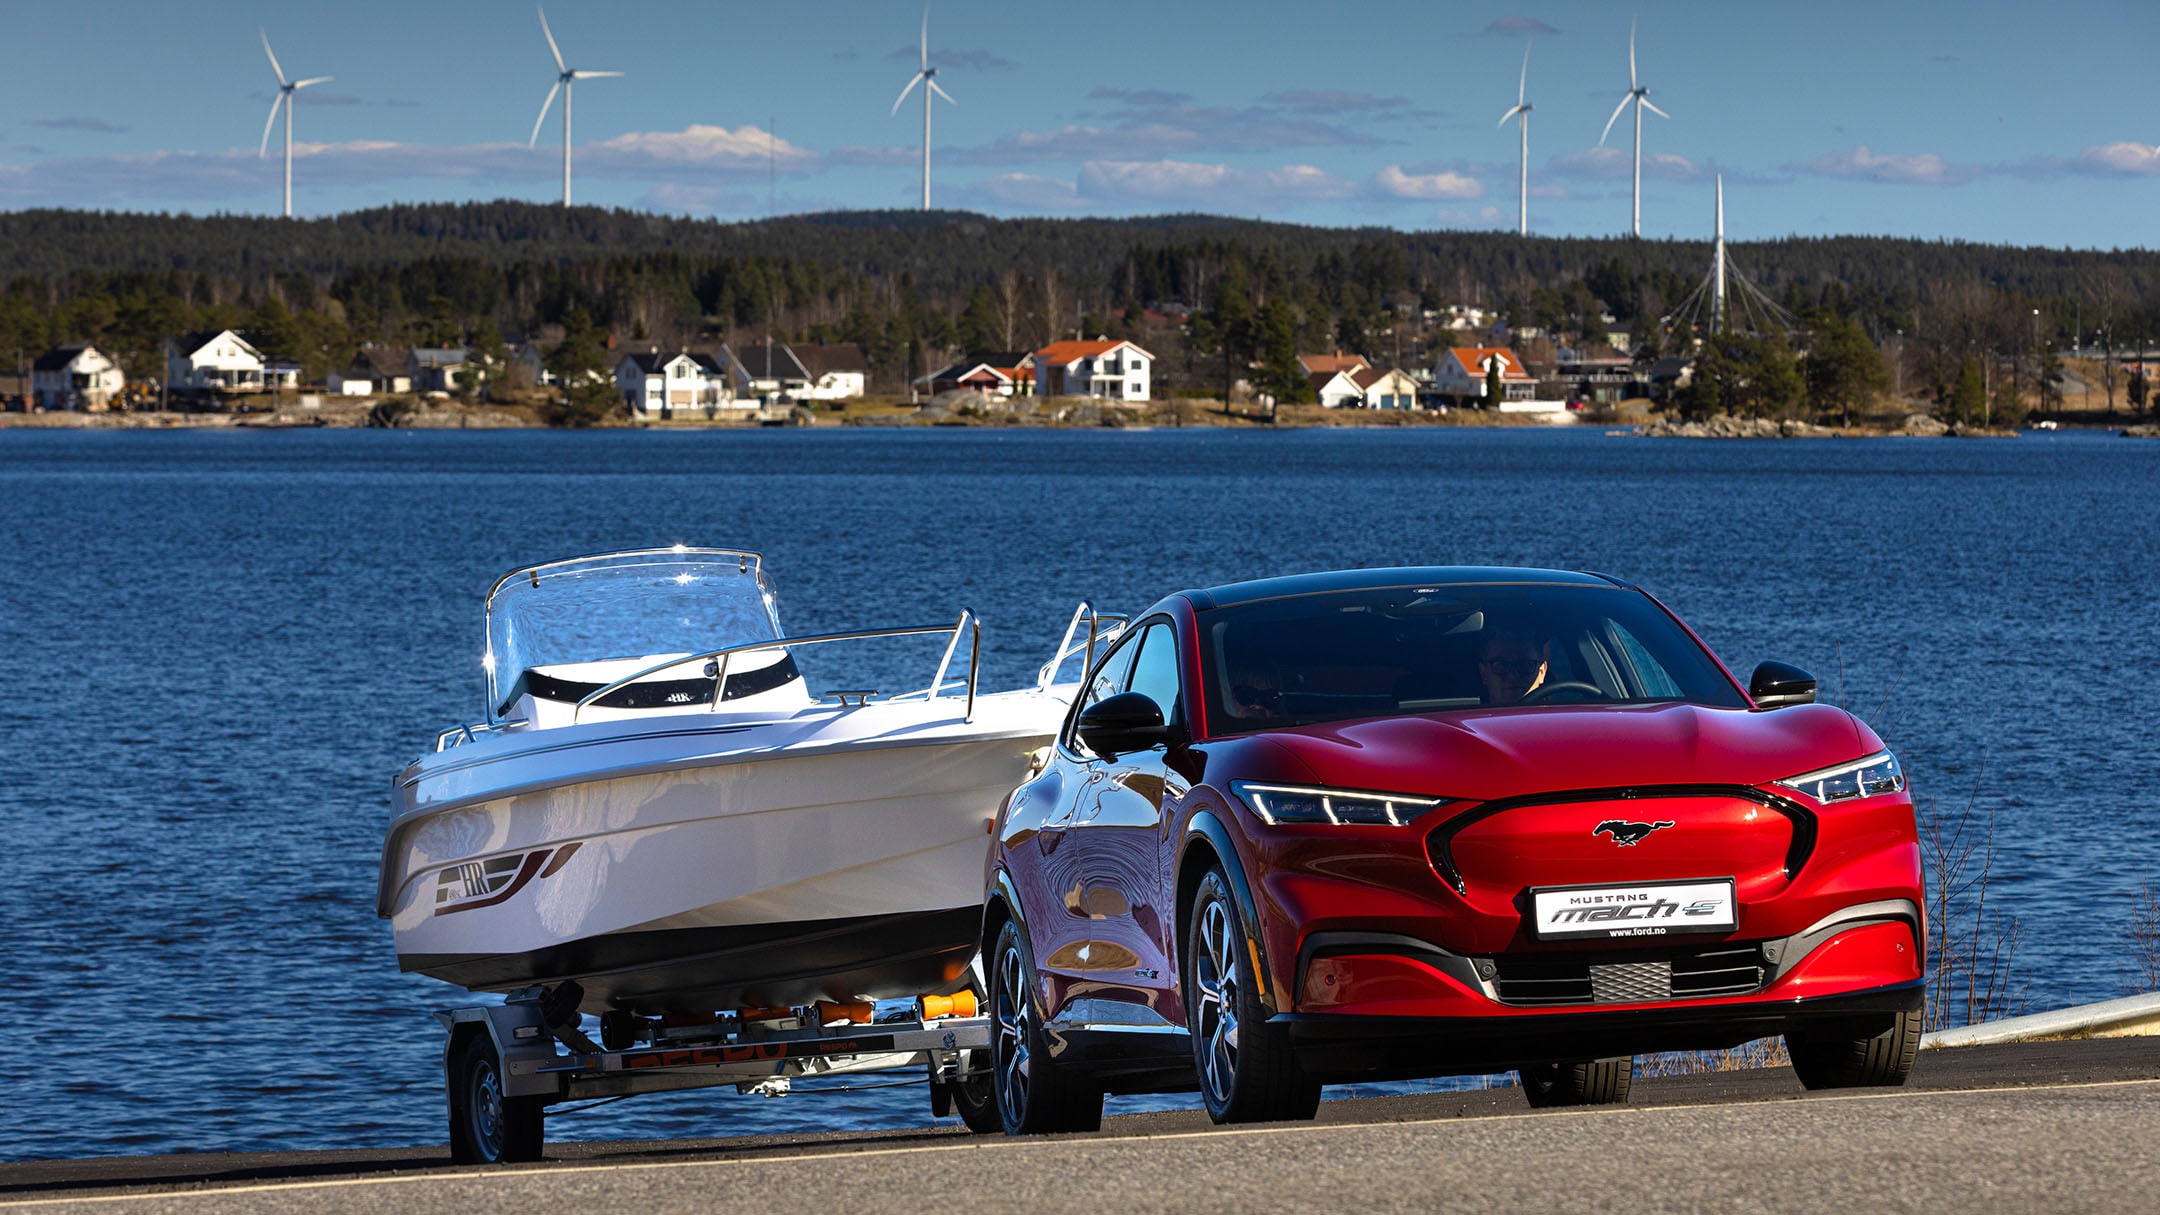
{"type": "Point", "coordinates": [1764, 1052]}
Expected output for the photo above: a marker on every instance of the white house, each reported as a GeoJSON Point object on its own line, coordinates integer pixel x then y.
{"type": "Point", "coordinates": [438, 368]}
{"type": "Point", "coordinates": [767, 369]}
{"type": "Point", "coordinates": [213, 361]}
{"type": "Point", "coordinates": [390, 367]}
{"type": "Point", "coordinates": [75, 376]}
{"type": "Point", "coordinates": [352, 383]}
{"type": "Point", "coordinates": [1462, 371]}
{"type": "Point", "coordinates": [1116, 371]}
{"type": "Point", "coordinates": [1390, 389]}
{"type": "Point", "coordinates": [832, 373]}
{"type": "Point", "coordinates": [657, 385]}
{"type": "Point", "coordinates": [1336, 389]}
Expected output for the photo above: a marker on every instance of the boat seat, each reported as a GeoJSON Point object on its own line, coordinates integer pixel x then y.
{"type": "Point", "coordinates": [652, 693]}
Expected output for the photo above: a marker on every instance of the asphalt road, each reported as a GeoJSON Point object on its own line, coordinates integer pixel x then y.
{"type": "Point", "coordinates": [2050, 1127]}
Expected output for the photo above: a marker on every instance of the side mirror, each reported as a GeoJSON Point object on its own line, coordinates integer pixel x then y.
{"type": "Point", "coordinates": [1776, 685]}
{"type": "Point", "coordinates": [1128, 721]}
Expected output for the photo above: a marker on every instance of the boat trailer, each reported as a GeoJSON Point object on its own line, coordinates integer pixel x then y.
{"type": "Point", "coordinates": [506, 1064]}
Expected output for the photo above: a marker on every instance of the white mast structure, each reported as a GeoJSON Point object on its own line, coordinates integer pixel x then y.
{"type": "Point", "coordinates": [1521, 112]}
{"type": "Point", "coordinates": [1726, 289]}
{"type": "Point", "coordinates": [1717, 264]}
{"type": "Point", "coordinates": [926, 76]}
{"type": "Point", "coordinates": [1640, 97]}
{"type": "Point", "coordinates": [284, 97]}
{"type": "Point", "coordinates": [564, 78]}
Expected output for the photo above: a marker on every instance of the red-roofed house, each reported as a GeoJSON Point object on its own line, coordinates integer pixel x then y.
{"type": "Point", "coordinates": [1461, 375]}
{"type": "Point", "coordinates": [1328, 364]}
{"type": "Point", "coordinates": [1116, 371]}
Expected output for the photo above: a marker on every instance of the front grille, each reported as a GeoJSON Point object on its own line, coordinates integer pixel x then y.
{"type": "Point", "coordinates": [1629, 976]}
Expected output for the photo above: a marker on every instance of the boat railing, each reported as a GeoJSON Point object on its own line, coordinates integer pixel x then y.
{"type": "Point", "coordinates": [1102, 629]}
{"type": "Point", "coordinates": [716, 661]}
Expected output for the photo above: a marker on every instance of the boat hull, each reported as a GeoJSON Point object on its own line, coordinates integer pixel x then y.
{"type": "Point", "coordinates": [836, 856]}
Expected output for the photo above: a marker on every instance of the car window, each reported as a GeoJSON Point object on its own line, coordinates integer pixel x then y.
{"type": "Point", "coordinates": [1111, 673]}
{"type": "Point", "coordinates": [1156, 672]}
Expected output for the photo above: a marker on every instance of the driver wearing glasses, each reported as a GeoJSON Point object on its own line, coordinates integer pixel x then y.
{"type": "Point", "coordinates": [1511, 667]}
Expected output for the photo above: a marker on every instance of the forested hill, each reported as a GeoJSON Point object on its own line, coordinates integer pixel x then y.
{"type": "Point", "coordinates": [946, 252]}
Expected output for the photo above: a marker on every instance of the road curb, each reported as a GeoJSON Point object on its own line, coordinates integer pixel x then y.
{"type": "Point", "coordinates": [2131, 1016]}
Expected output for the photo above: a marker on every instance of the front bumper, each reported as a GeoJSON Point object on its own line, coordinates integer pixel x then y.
{"type": "Point", "coordinates": [1341, 1048]}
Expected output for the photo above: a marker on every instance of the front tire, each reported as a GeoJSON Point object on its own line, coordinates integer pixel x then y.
{"type": "Point", "coordinates": [486, 1126]}
{"type": "Point", "coordinates": [1588, 1082]}
{"type": "Point", "coordinates": [1035, 1096]}
{"type": "Point", "coordinates": [1247, 1070]}
{"type": "Point", "coordinates": [1882, 1061]}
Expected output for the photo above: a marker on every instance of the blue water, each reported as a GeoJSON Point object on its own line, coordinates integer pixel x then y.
{"type": "Point", "coordinates": [218, 647]}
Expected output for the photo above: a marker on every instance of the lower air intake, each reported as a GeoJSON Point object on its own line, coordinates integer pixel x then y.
{"type": "Point", "coordinates": [1628, 976]}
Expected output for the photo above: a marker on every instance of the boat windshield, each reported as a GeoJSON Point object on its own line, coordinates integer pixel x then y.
{"type": "Point", "coordinates": [652, 605]}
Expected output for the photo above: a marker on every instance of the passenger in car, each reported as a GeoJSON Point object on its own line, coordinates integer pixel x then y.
{"type": "Point", "coordinates": [1511, 665]}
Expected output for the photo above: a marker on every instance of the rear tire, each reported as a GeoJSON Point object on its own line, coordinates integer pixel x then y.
{"type": "Point", "coordinates": [1034, 1095]}
{"type": "Point", "coordinates": [1883, 1061]}
{"type": "Point", "coordinates": [487, 1127]}
{"type": "Point", "coordinates": [1588, 1082]}
{"type": "Point", "coordinates": [1247, 1070]}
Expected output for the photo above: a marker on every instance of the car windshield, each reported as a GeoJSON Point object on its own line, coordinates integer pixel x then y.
{"type": "Point", "coordinates": [1372, 653]}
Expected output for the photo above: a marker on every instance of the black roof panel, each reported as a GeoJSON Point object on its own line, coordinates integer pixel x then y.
{"type": "Point", "coordinates": [1234, 593]}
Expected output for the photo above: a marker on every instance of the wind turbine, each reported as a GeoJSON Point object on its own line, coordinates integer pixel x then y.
{"type": "Point", "coordinates": [286, 89]}
{"type": "Point", "coordinates": [925, 76]}
{"type": "Point", "coordinates": [564, 78]}
{"type": "Point", "coordinates": [1522, 111]}
{"type": "Point", "coordinates": [1640, 96]}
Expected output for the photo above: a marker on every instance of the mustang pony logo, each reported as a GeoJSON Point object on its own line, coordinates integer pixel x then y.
{"type": "Point", "coordinates": [1627, 834]}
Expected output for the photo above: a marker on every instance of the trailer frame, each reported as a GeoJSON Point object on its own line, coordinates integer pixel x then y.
{"type": "Point", "coordinates": [505, 1064]}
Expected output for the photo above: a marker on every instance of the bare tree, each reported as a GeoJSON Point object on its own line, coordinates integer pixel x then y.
{"type": "Point", "coordinates": [2106, 290]}
{"type": "Point", "coordinates": [1008, 296]}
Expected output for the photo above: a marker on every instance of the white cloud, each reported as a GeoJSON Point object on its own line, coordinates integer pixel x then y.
{"type": "Point", "coordinates": [1518, 27]}
{"type": "Point", "coordinates": [2120, 159]}
{"type": "Point", "coordinates": [1393, 181]}
{"type": "Point", "coordinates": [695, 155]}
{"type": "Point", "coordinates": [1611, 164]}
{"type": "Point", "coordinates": [702, 146]}
{"type": "Point", "coordinates": [1482, 217]}
{"type": "Point", "coordinates": [1027, 192]}
{"type": "Point", "coordinates": [1864, 164]}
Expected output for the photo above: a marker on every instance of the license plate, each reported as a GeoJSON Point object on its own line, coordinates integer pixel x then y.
{"type": "Point", "coordinates": [1561, 913]}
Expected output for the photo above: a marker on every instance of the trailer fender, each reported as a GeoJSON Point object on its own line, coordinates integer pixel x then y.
{"type": "Point", "coordinates": [522, 1041]}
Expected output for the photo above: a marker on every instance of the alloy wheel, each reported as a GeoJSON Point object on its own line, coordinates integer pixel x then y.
{"type": "Point", "coordinates": [1216, 1018]}
{"type": "Point", "coordinates": [1013, 1010]}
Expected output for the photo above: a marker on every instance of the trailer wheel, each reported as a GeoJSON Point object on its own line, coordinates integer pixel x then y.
{"type": "Point", "coordinates": [486, 1126]}
{"type": "Point", "coordinates": [974, 1097]}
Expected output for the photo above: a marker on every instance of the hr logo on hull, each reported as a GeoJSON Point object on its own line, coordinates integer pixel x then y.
{"type": "Point", "coordinates": [1627, 834]}
{"type": "Point", "coordinates": [476, 884]}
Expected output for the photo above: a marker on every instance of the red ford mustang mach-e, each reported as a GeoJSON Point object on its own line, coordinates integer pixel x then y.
{"type": "Point", "coordinates": [1413, 822]}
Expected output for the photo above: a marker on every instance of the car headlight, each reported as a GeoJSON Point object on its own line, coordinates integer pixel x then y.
{"type": "Point", "coordinates": [1878, 773]}
{"type": "Point", "coordinates": [1281, 804]}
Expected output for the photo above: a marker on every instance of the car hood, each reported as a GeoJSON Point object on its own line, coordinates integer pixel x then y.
{"type": "Point", "coordinates": [1513, 752]}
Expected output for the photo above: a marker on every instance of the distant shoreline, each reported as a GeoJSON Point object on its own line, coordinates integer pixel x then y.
{"type": "Point", "coordinates": [1159, 416]}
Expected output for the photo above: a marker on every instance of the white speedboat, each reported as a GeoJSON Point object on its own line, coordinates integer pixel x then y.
{"type": "Point", "coordinates": [659, 808]}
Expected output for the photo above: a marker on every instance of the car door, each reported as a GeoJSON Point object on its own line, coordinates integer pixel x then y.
{"type": "Point", "coordinates": [1117, 838]}
{"type": "Point", "coordinates": [1049, 865]}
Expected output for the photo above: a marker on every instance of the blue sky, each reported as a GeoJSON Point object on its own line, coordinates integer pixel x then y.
{"type": "Point", "coordinates": [1980, 121]}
